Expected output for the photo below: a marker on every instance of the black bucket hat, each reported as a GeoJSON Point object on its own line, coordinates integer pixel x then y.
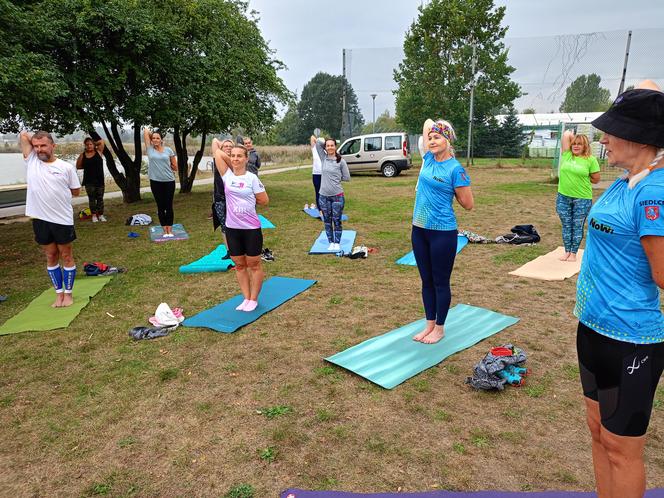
{"type": "Point", "coordinates": [636, 115]}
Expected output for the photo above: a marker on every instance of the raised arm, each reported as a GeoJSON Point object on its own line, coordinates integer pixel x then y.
{"type": "Point", "coordinates": [79, 161]}
{"type": "Point", "coordinates": [566, 141]}
{"type": "Point", "coordinates": [426, 128]}
{"type": "Point", "coordinates": [25, 139]}
{"type": "Point", "coordinates": [648, 85]}
{"type": "Point", "coordinates": [100, 145]}
{"type": "Point", "coordinates": [221, 160]}
{"type": "Point", "coordinates": [146, 138]}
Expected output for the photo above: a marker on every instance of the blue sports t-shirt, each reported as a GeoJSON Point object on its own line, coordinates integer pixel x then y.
{"type": "Point", "coordinates": [435, 193]}
{"type": "Point", "coordinates": [616, 295]}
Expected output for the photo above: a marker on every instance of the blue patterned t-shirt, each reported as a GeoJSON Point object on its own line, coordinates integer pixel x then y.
{"type": "Point", "coordinates": [435, 193]}
{"type": "Point", "coordinates": [616, 295]}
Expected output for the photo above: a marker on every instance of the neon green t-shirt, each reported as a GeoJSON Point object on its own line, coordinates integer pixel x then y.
{"type": "Point", "coordinates": [574, 177]}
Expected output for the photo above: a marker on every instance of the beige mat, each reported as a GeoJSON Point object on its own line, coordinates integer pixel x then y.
{"type": "Point", "coordinates": [549, 267]}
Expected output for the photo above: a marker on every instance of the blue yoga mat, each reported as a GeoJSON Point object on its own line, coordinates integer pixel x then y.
{"type": "Point", "coordinates": [265, 223]}
{"type": "Point", "coordinates": [157, 233]}
{"type": "Point", "coordinates": [210, 262]}
{"type": "Point", "coordinates": [409, 259]}
{"type": "Point", "coordinates": [299, 493]}
{"type": "Point", "coordinates": [321, 244]}
{"type": "Point", "coordinates": [225, 318]}
{"type": "Point", "coordinates": [391, 358]}
{"type": "Point", "coordinates": [314, 213]}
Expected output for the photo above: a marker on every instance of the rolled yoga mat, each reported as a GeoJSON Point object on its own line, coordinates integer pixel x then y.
{"type": "Point", "coordinates": [39, 315]}
{"type": "Point", "coordinates": [391, 358]}
{"type": "Point", "coordinates": [157, 233]}
{"type": "Point", "coordinates": [225, 318]}
{"type": "Point", "coordinates": [210, 262]}
{"type": "Point", "coordinates": [299, 493]}
{"type": "Point", "coordinates": [549, 267]}
{"type": "Point", "coordinates": [321, 244]}
{"type": "Point", "coordinates": [409, 259]}
{"type": "Point", "coordinates": [314, 213]}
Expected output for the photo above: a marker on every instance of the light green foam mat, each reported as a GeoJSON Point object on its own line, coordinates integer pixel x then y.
{"type": "Point", "coordinates": [391, 358]}
{"type": "Point", "coordinates": [40, 316]}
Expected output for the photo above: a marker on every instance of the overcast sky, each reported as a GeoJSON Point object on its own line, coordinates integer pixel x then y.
{"type": "Point", "coordinates": [309, 36]}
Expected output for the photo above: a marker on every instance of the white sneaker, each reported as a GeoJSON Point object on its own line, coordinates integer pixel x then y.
{"type": "Point", "coordinates": [337, 247]}
{"type": "Point", "coordinates": [94, 218]}
{"type": "Point", "coordinates": [102, 218]}
{"type": "Point", "coordinates": [331, 247]}
{"type": "Point", "coordinates": [306, 206]}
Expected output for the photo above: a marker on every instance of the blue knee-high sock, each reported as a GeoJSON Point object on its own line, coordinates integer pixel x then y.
{"type": "Point", "coordinates": [55, 272]}
{"type": "Point", "coordinates": [69, 274]}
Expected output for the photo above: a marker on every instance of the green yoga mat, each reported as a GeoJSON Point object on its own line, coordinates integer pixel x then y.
{"type": "Point", "coordinates": [40, 316]}
{"type": "Point", "coordinates": [391, 358]}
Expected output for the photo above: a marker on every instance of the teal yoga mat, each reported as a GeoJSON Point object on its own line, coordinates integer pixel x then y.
{"type": "Point", "coordinates": [210, 262]}
{"type": "Point", "coordinates": [265, 223]}
{"type": "Point", "coordinates": [409, 259]}
{"type": "Point", "coordinates": [157, 233]}
{"type": "Point", "coordinates": [391, 358]}
{"type": "Point", "coordinates": [225, 318]}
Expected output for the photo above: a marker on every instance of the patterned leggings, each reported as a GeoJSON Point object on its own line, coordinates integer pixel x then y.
{"type": "Point", "coordinates": [573, 213]}
{"type": "Point", "coordinates": [95, 198]}
{"type": "Point", "coordinates": [332, 207]}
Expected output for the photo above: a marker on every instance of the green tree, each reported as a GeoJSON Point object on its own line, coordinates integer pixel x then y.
{"type": "Point", "coordinates": [190, 67]}
{"type": "Point", "coordinates": [511, 135]}
{"type": "Point", "coordinates": [434, 78]}
{"type": "Point", "coordinates": [586, 95]}
{"type": "Point", "coordinates": [288, 130]}
{"type": "Point", "coordinates": [384, 123]}
{"type": "Point", "coordinates": [529, 110]}
{"type": "Point", "coordinates": [321, 105]}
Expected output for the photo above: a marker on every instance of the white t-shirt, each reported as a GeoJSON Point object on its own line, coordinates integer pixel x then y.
{"type": "Point", "coordinates": [49, 190]}
{"type": "Point", "coordinates": [241, 200]}
{"type": "Point", "coordinates": [318, 165]}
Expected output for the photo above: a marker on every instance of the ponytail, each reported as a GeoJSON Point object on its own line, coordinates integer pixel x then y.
{"type": "Point", "coordinates": [641, 175]}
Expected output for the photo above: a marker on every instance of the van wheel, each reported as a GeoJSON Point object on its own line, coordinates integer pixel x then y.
{"type": "Point", "coordinates": [389, 170]}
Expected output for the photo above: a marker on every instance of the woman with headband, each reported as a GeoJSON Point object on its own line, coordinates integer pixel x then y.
{"type": "Point", "coordinates": [620, 337]}
{"type": "Point", "coordinates": [434, 233]}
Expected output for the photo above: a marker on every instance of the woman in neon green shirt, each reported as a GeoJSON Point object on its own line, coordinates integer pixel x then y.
{"type": "Point", "coordinates": [578, 169]}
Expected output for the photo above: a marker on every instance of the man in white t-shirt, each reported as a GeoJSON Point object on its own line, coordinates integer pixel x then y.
{"type": "Point", "coordinates": [51, 184]}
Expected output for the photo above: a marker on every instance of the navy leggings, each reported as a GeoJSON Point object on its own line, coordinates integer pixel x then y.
{"type": "Point", "coordinates": [316, 180]}
{"type": "Point", "coordinates": [435, 251]}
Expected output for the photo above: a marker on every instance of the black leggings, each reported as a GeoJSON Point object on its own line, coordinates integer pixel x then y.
{"type": "Point", "coordinates": [622, 377]}
{"type": "Point", "coordinates": [163, 193]}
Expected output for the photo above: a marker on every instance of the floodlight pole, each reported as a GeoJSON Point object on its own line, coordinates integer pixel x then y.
{"type": "Point", "coordinates": [373, 126]}
{"type": "Point", "coordinates": [472, 102]}
{"type": "Point", "coordinates": [624, 71]}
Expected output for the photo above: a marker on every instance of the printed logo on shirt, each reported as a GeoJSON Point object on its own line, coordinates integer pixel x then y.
{"type": "Point", "coordinates": [464, 177]}
{"type": "Point", "coordinates": [439, 179]}
{"type": "Point", "coordinates": [600, 226]}
{"type": "Point", "coordinates": [237, 184]}
{"type": "Point", "coordinates": [652, 212]}
{"type": "Point", "coordinates": [652, 202]}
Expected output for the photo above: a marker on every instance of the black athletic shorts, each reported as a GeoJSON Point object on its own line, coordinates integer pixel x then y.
{"type": "Point", "coordinates": [622, 377]}
{"type": "Point", "coordinates": [47, 232]}
{"type": "Point", "coordinates": [244, 242]}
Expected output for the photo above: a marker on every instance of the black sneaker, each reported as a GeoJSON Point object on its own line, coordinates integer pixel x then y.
{"type": "Point", "coordinates": [267, 255]}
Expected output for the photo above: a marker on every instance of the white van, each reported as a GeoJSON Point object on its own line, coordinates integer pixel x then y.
{"type": "Point", "coordinates": [384, 152]}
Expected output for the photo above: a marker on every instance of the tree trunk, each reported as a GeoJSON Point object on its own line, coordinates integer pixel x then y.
{"type": "Point", "coordinates": [187, 177]}
{"type": "Point", "coordinates": [130, 181]}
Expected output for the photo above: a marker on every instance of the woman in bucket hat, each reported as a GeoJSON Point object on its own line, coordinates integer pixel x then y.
{"type": "Point", "coordinates": [620, 337]}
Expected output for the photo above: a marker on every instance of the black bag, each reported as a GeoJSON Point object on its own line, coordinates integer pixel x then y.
{"type": "Point", "coordinates": [521, 234]}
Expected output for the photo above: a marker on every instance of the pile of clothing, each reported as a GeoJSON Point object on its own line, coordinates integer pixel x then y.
{"type": "Point", "coordinates": [139, 220]}
{"type": "Point", "coordinates": [101, 269]}
{"type": "Point", "coordinates": [501, 365]}
{"type": "Point", "coordinates": [164, 321]}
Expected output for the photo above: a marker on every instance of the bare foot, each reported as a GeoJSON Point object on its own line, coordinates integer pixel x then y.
{"type": "Point", "coordinates": [427, 330]}
{"type": "Point", "coordinates": [572, 257]}
{"type": "Point", "coordinates": [58, 300]}
{"type": "Point", "coordinates": [67, 299]}
{"type": "Point", "coordinates": [435, 335]}
{"type": "Point", "coordinates": [565, 257]}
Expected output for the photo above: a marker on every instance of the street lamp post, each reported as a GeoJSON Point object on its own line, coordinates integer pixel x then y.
{"type": "Point", "coordinates": [373, 124]}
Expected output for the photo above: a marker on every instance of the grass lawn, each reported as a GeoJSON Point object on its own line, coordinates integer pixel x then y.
{"type": "Point", "coordinates": [88, 412]}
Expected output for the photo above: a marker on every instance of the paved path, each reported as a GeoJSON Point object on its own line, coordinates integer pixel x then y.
{"type": "Point", "coordinates": [83, 199]}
